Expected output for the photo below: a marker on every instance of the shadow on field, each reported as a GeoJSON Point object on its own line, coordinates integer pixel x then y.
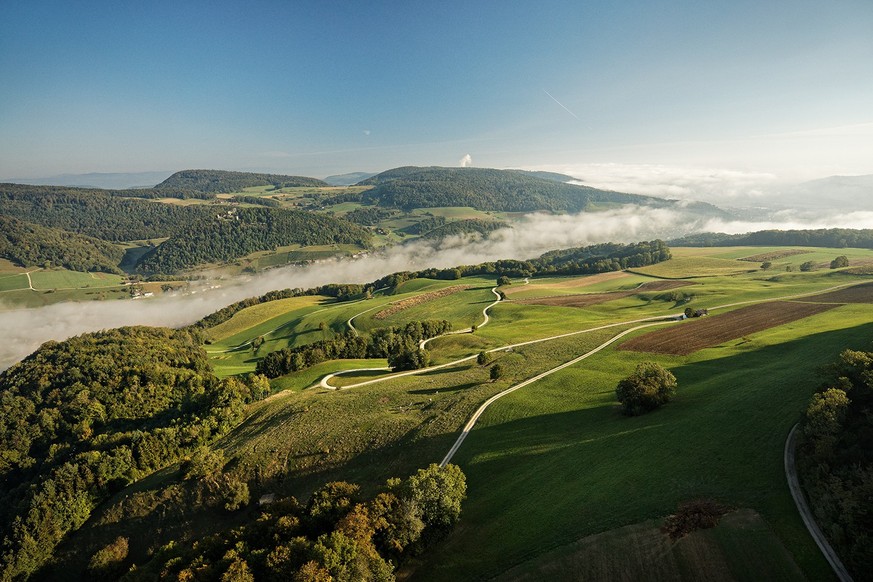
{"type": "Point", "coordinates": [458, 388]}
{"type": "Point", "coordinates": [559, 473]}
{"type": "Point", "coordinates": [449, 370]}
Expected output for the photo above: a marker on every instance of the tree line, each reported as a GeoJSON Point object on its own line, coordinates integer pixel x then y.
{"type": "Point", "coordinates": [397, 343]}
{"type": "Point", "coordinates": [835, 459]}
{"type": "Point", "coordinates": [824, 237]}
{"type": "Point", "coordinates": [83, 418]}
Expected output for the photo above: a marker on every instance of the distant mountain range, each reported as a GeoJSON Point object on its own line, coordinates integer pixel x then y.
{"type": "Point", "coordinates": [348, 179]}
{"type": "Point", "coordinates": [109, 181]}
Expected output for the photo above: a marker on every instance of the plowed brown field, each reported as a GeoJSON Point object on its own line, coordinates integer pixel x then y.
{"type": "Point", "coordinates": [586, 299]}
{"type": "Point", "coordinates": [857, 294]}
{"type": "Point", "coordinates": [688, 337]}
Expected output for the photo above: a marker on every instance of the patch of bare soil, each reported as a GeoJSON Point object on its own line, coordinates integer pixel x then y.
{"type": "Point", "coordinates": [688, 337]}
{"type": "Point", "coordinates": [586, 299]}
{"type": "Point", "coordinates": [399, 306]}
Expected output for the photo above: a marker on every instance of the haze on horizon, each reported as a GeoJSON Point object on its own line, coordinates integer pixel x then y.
{"type": "Point", "coordinates": [779, 89]}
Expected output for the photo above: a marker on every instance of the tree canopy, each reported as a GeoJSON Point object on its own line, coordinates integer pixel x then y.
{"type": "Point", "coordinates": [29, 245]}
{"type": "Point", "coordinates": [649, 387]}
{"type": "Point", "coordinates": [82, 418]}
{"type": "Point", "coordinates": [220, 181]}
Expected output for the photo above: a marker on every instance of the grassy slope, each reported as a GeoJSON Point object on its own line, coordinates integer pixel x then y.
{"type": "Point", "coordinates": [553, 462]}
{"type": "Point", "coordinates": [563, 440]}
{"type": "Point", "coordinates": [741, 547]}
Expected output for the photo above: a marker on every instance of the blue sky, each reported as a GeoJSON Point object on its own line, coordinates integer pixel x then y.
{"type": "Point", "coordinates": [324, 87]}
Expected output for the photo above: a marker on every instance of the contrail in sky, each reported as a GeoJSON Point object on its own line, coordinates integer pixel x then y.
{"type": "Point", "coordinates": [561, 104]}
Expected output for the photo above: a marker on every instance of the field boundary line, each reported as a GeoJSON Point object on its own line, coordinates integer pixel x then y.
{"type": "Point", "coordinates": [803, 508]}
{"type": "Point", "coordinates": [472, 422]}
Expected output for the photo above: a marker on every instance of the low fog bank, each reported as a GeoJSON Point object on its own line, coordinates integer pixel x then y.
{"type": "Point", "coordinates": [25, 329]}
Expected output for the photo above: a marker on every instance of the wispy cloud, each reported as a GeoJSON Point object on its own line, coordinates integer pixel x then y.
{"type": "Point", "coordinates": [716, 185]}
{"type": "Point", "coordinates": [561, 104]}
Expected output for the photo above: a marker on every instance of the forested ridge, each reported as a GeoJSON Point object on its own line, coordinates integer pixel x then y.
{"type": "Point", "coordinates": [237, 232]}
{"type": "Point", "coordinates": [486, 189]}
{"type": "Point", "coordinates": [220, 181]}
{"type": "Point", "coordinates": [197, 234]}
{"type": "Point", "coordinates": [30, 245]}
{"type": "Point", "coordinates": [823, 237]}
{"type": "Point", "coordinates": [83, 418]}
{"type": "Point", "coordinates": [96, 213]}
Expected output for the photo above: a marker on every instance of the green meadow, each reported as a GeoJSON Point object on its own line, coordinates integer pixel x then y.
{"type": "Point", "coordinates": [555, 473]}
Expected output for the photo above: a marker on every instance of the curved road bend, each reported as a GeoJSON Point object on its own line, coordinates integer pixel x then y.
{"type": "Point", "coordinates": [805, 513]}
{"type": "Point", "coordinates": [472, 422]}
{"type": "Point", "coordinates": [424, 342]}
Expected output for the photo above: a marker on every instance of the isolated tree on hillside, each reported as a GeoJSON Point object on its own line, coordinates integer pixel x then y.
{"type": "Point", "coordinates": [496, 372]}
{"type": "Point", "coordinates": [807, 266]}
{"type": "Point", "coordinates": [503, 280]}
{"type": "Point", "coordinates": [766, 265]}
{"type": "Point", "coordinates": [483, 358]}
{"type": "Point", "coordinates": [649, 387]}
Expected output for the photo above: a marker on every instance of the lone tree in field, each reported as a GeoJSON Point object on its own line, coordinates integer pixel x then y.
{"type": "Point", "coordinates": [503, 280]}
{"type": "Point", "coordinates": [649, 387]}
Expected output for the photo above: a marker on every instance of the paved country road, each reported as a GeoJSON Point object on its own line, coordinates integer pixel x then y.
{"type": "Point", "coordinates": [805, 513]}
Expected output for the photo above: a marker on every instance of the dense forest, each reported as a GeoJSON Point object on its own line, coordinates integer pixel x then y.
{"type": "Point", "coordinates": [96, 213]}
{"type": "Point", "coordinates": [464, 227]}
{"type": "Point", "coordinates": [219, 181]}
{"type": "Point", "coordinates": [825, 237]}
{"type": "Point", "coordinates": [198, 234]}
{"type": "Point", "coordinates": [83, 418]}
{"type": "Point", "coordinates": [486, 189]}
{"type": "Point", "coordinates": [30, 245]}
{"type": "Point", "coordinates": [236, 232]}
{"type": "Point", "coordinates": [835, 459]}
{"type": "Point", "coordinates": [337, 535]}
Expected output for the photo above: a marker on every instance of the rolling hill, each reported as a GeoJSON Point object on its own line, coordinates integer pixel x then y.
{"type": "Point", "coordinates": [497, 190]}
{"type": "Point", "coordinates": [220, 181]}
